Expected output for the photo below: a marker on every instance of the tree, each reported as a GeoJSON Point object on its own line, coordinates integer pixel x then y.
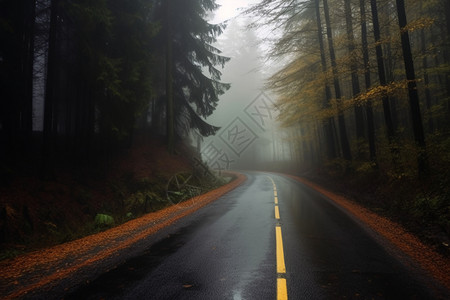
{"type": "Point", "coordinates": [17, 24]}
{"type": "Point", "coordinates": [101, 60]}
{"type": "Point", "coordinates": [169, 80]}
{"type": "Point", "coordinates": [412, 89]}
{"type": "Point", "coordinates": [381, 71]}
{"type": "Point", "coordinates": [50, 92]}
{"type": "Point", "coordinates": [359, 118]}
{"type": "Point", "coordinates": [328, 123]}
{"type": "Point", "coordinates": [337, 90]}
{"type": "Point", "coordinates": [189, 54]}
{"type": "Point", "coordinates": [367, 80]}
{"type": "Point", "coordinates": [96, 89]}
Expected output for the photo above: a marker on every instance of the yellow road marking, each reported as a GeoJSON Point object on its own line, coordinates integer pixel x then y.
{"type": "Point", "coordinates": [281, 289]}
{"type": "Point", "coordinates": [281, 267]}
{"type": "Point", "coordinates": [277, 213]}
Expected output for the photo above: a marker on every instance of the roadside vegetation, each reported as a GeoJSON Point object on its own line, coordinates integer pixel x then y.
{"type": "Point", "coordinates": [88, 199]}
{"type": "Point", "coordinates": [420, 206]}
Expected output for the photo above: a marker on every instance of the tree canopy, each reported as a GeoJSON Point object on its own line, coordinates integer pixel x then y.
{"type": "Point", "coordinates": [100, 66]}
{"type": "Point", "coordinates": [331, 48]}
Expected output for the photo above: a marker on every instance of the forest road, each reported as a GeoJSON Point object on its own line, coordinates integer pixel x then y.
{"type": "Point", "coordinates": [272, 237]}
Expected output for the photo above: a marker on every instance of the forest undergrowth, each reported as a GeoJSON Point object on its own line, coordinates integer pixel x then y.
{"type": "Point", "coordinates": [393, 189]}
{"type": "Point", "coordinates": [85, 199]}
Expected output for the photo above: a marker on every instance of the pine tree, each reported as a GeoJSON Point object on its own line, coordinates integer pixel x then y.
{"type": "Point", "coordinates": [188, 41]}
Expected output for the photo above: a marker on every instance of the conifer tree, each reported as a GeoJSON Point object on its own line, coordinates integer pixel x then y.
{"type": "Point", "coordinates": [188, 40]}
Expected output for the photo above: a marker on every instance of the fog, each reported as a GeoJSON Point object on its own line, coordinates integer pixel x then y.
{"type": "Point", "coordinates": [250, 137]}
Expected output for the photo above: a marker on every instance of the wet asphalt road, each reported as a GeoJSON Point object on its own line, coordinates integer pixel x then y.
{"type": "Point", "coordinates": [227, 250]}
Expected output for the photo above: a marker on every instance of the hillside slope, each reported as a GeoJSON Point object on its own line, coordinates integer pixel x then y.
{"type": "Point", "coordinates": [35, 213]}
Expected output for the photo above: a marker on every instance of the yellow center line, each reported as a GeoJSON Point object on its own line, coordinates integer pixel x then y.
{"type": "Point", "coordinates": [281, 267]}
{"type": "Point", "coordinates": [281, 289]}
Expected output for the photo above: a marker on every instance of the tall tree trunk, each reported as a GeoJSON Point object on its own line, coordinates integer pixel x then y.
{"type": "Point", "coordinates": [367, 79]}
{"type": "Point", "coordinates": [327, 124]}
{"type": "Point", "coordinates": [381, 71]}
{"type": "Point", "coordinates": [337, 89]}
{"type": "Point", "coordinates": [50, 93]}
{"type": "Point", "coordinates": [359, 118]}
{"type": "Point", "coordinates": [27, 71]}
{"type": "Point", "coordinates": [446, 52]}
{"type": "Point", "coordinates": [16, 72]}
{"type": "Point", "coordinates": [412, 90]}
{"type": "Point", "coordinates": [154, 124]}
{"type": "Point", "coordinates": [389, 61]}
{"type": "Point", "coordinates": [447, 15]}
{"type": "Point", "coordinates": [170, 131]}
{"type": "Point", "coordinates": [426, 81]}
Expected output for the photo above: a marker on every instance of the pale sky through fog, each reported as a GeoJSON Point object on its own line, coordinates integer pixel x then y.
{"type": "Point", "coordinates": [230, 9]}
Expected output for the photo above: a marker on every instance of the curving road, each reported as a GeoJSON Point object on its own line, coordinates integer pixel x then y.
{"type": "Point", "coordinates": [270, 238]}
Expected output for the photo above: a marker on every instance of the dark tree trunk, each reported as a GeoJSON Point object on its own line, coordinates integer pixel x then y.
{"type": "Point", "coordinates": [170, 130]}
{"type": "Point", "coordinates": [446, 52]}
{"type": "Point", "coordinates": [27, 71]}
{"type": "Point", "coordinates": [381, 71]}
{"type": "Point", "coordinates": [412, 90]}
{"type": "Point", "coordinates": [327, 124]}
{"type": "Point", "coordinates": [426, 81]}
{"type": "Point", "coordinates": [359, 118]}
{"type": "Point", "coordinates": [367, 79]}
{"type": "Point", "coordinates": [337, 89]}
{"type": "Point", "coordinates": [16, 77]}
{"type": "Point", "coordinates": [50, 94]}
{"type": "Point", "coordinates": [389, 61]}
{"type": "Point", "coordinates": [447, 15]}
